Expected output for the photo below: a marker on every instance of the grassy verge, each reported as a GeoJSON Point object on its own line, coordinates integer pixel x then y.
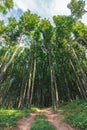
{"type": "Point", "coordinates": [75, 113]}
{"type": "Point", "coordinates": [8, 117]}
{"type": "Point", "coordinates": [41, 123]}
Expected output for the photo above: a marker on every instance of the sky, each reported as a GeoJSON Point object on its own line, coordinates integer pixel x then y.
{"type": "Point", "coordinates": [44, 8]}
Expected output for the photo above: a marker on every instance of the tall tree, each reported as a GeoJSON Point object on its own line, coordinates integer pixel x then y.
{"type": "Point", "coordinates": [77, 8]}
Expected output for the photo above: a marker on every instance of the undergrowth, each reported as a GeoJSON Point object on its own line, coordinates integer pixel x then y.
{"type": "Point", "coordinates": [41, 123]}
{"type": "Point", "coordinates": [75, 113]}
{"type": "Point", "coordinates": [8, 117]}
{"type": "Point", "coordinates": [40, 117]}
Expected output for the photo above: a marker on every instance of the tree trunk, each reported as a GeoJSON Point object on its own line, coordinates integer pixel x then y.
{"type": "Point", "coordinates": [56, 89]}
{"type": "Point", "coordinates": [21, 94]}
{"type": "Point", "coordinates": [52, 87]}
{"type": "Point", "coordinates": [11, 59]}
{"type": "Point", "coordinates": [81, 89]}
{"type": "Point", "coordinates": [29, 84]}
{"type": "Point", "coordinates": [1, 65]}
{"type": "Point", "coordinates": [80, 67]}
{"type": "Point", "coordinates": [33, 78]}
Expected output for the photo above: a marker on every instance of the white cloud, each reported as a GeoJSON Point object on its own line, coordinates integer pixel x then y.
{"type": "Point", "coordinates": [46, 8]}
{"type": "Point", "coordinates": [60, 7]}
{"type": "Point", "coordinates": [84, 19]}
{"type": "Point", "coordinates": [25, 4]}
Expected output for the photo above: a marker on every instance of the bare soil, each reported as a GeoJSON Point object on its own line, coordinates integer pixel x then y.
{"type": "Point", "coordinates": [54, 118]}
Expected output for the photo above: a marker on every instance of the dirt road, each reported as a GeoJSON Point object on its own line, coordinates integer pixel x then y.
{"type": "Point", "coordinates": [53, 118]}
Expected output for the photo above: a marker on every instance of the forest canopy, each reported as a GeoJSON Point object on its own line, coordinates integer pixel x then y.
{"type": "Point", "coordinates": [41, 62]}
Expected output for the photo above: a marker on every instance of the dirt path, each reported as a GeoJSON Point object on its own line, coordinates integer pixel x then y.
{"type": "Point", "coordinates": [54, 119]}
{"type": "Point", "coordinates": [25, 123]}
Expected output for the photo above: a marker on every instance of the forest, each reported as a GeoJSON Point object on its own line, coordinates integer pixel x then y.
{"type": "Point", "coordinates": [43, 62]}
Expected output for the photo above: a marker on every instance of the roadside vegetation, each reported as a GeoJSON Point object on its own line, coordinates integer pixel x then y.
{"type": "Point", "coordinates": [75, 113]}
{"type": "Point", "coordinates": [41, 123]}
{"type": "Point", "coordinates": [8, 117]}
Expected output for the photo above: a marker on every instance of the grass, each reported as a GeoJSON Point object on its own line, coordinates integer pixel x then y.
{"type": "Point", "coordinates": [75, 113]}
{"type": "Point", "coordinates": [8, 117]}
{"type": "Point", "coordinates": [41, 117]}
{"type": "Point", "coordinates": [41, 123]}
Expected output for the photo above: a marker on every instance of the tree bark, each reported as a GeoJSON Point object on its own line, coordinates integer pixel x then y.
{"type": "Point", "coordinates": [29, 84]}
{"type": "Point", "coordinates": [81, 89]}
{"type": "Point", "coordinates": [11, 59]}
{"type": "Point", "coordinates": [81, 70]}
{"type": "Point", "coordinates": [33, 78]}
{"type": "Point", "coordinates": [52, 86]}
{"type": "Point", "coordinates": [56, 89]}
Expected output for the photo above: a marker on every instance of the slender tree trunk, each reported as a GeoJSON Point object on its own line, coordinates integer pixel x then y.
{"type": "Point", "coordinates": [80, 67]}
{"type": "Point", "coordinates": [67, 84]}
{"type": "Point", "coordinates": [33, 78]}
{"type": "Point", "coordinates": [24, 93]}
{"type": "Point", "coordinates": [56, 89]}
{"type": "Point", "coordinates": [21, 94]}
{"type": "Point", "coordinates": [11, 59]}
{"type": "Point", "coordinates": [29, 84]}
{"type": "Point", "coordinates": [52, 86]}
{"type": "Point", "coordinates": [5, 90]}
{"type": "Point", "coordinates": [1, 65]}
{"type": "Point", "coordinates": [81, 89]}
{"type": "Point", "coordinates": [8, 64]}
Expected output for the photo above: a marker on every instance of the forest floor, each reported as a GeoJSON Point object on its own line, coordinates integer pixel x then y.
{"type": "Point", "coordinates": [54, 118]}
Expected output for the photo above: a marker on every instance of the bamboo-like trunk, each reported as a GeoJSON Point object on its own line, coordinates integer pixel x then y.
{"type": "Point", "coordinates": [1, 65]}
{"type": "Point", "coordinates": [33, 78]}
{"type": "Point", "coordinates": [3, 93]}
{"type": "Point", "coordinates": [24, 93]}
{"type": "Point", "coordinates": [21, 95]}
{"type": "Point", "coordinates": [81, 69]}
{"type": "Point", "coordinates": [66, 83]}
{"type": "Point", "coordinates": [56, 89]}
{"type": "Point", "coordinates": [29, 85]}
{"type": "Point", "coordinates": [52, 87]}
{"type": "Point", "coordinates": [11, 59]}
{"type": "Point", "coordinates": [81, 89]}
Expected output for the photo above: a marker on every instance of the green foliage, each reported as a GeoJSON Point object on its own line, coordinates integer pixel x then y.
{"type": "Point", "coordinates": [6, 5]}
{"type": "Point", "coordinates": [59, 46]}
{"type": "Point", "coordinates": [9, 4]}
{"type": "Point", "coordinates": [64, 25]}
{"type": "Point", "coordinates": [33, 108]}
{"type": "Point", "coordinates": [47, 30]}
{"type": "Point", "coordinates": [8, 117]}
{"type": "Point", "coordinates": [77, 8]}
{"type": "Point", "coordinates": [2, 9]}
{"type": "Point", "coordinates": [75, 113]}
{"type": "Point", "coordinates": [2, 26]}
{"type": "Point", "coordinates": [11, 31]}
{"type": "Point", "coordinates": [40, 117]}
{"type": "Point", "coordinates": [28, 22]}
{"type": "Point", "coordinates": [80, 30]}
{"type": "Point", "coordinates": [41, 123]}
